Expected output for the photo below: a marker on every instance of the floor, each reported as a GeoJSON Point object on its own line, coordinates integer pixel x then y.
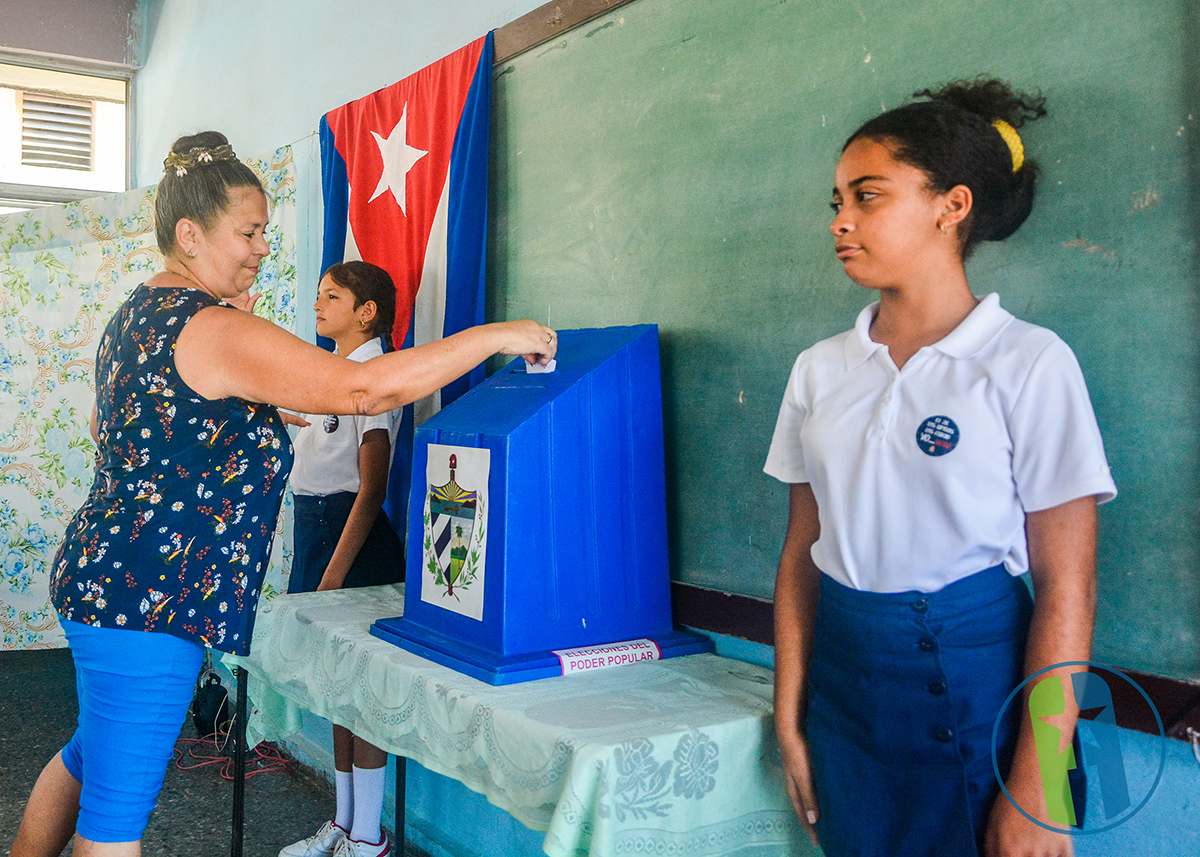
{"type": "Point", "coordinates": [37, 716]}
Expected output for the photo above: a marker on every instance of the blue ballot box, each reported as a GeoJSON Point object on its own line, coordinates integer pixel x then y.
{"type": "Point", "coordinates": [537, 538]}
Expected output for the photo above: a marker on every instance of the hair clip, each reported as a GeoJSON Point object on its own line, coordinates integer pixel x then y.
{"type": "Point", "coordinates": [1013, 140]}
{"type": "Point", "coordinates": [183, 161]}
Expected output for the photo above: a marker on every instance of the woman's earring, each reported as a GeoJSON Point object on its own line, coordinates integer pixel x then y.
{"type": "Point", "coordinates": [362, 323]}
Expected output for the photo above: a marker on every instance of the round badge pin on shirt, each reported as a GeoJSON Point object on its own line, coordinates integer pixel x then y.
{"type": "Point", "coordinates": [331, 424]}
{"type": "Point", "coordinates": [937, 436]}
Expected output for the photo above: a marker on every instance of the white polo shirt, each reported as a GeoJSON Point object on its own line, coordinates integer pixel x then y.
{"type": "Point", "coordinates": [327, 451]}
{"type": "Point", "coordinates": [923, 475]}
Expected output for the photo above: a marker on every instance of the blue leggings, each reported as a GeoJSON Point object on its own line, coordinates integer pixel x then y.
{"type": "Point", "coordinates": [134, 689]}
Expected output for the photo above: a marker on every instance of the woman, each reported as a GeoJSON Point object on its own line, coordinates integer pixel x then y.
{"type": "Point", "coordinates": [343, 537]}
{"type": "Point", "coordinates": [934, 452]}
{"type": "Point", "coordinates": [175, 534]}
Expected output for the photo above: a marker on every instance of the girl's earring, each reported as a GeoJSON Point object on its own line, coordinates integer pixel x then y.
{"type": "Point", "coordinates": [362, 324]}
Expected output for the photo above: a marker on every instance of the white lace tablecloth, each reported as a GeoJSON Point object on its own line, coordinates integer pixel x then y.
{"type": "Point", "coordinates": [675, 757]}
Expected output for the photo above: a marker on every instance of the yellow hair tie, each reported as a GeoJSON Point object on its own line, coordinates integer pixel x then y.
{"type": "Point", "coordinates": [1013, 140]}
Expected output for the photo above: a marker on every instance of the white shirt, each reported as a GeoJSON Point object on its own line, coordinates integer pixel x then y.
{"type": "Point", "coordinates": [327, 461]}
{"type": "Point", "coordinates": [923, 475]}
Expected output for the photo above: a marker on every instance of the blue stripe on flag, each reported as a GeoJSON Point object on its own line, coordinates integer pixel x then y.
{"type": "Point", "coordinates": [335, 191]}
{"type": "Point", "coordinates": [466, 257]}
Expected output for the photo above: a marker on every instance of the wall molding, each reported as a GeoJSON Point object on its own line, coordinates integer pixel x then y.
{"type": "Point", "coordinates": [733, 615]}
{"type": "Point", "coordinates": [547, 22]}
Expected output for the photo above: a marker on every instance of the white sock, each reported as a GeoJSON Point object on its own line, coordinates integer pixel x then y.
{"type": "Point", "coordinates": [344, 785]}
{"type": "Point", "coordinates": [368, 804]}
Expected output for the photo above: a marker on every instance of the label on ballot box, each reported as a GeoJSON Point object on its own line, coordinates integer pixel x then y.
{"type": "Point", "coordinates": [603, 657]}
{"type": "Point", "coordinates": [454, 542]}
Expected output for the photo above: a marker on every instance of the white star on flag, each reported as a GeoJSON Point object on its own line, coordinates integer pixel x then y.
{"type": "Point", "coordinates": [398, 159]}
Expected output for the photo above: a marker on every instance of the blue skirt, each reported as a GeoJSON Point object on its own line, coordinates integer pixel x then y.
{"type": "Point", "coordinates": [904, 691]}
{"type": "Point", "coordinates": [319, 525]}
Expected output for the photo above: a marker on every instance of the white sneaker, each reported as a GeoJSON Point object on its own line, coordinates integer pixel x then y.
{"type": "Point", "coordinates": [323, 843]}
{"type": "Point", "coordinates": [353, 848]}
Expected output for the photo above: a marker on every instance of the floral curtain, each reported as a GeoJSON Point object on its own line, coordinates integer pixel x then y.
{"type": "Point", "coordinates": [63, 271]}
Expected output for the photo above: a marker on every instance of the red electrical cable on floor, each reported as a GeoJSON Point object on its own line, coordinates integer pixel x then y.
{"type": "Point", "coordinates": [267, 757]}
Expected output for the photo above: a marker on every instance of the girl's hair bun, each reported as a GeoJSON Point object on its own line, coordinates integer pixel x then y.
{"type": "Point", "coordinates": [956, 135]}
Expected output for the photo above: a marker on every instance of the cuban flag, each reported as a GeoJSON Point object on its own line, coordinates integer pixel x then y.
{"type": "Point", "coordinates": [405, 178]}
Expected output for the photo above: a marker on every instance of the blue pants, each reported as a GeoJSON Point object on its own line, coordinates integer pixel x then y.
{"type": "Point", "coordinates": [904, 691]}
{"type": "Point", "coordinates": [134, 690]}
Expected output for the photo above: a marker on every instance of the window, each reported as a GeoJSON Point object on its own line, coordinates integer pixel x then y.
{"type": "Point", "coordinates": [62, 137]}
{"type": "Point", "coordinates": [56, 132]}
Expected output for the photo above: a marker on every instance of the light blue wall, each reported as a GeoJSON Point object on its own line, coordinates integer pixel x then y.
{"type": "Point", "coordinates": [264, 71]}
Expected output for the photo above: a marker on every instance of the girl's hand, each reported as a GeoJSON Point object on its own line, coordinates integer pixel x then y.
{"type": "Point", "coordinates": [797, 777]}
{"type": "Point", "coordinates": [244, 301]}
{"type": "Point", "coordinates": [1011, 834]}
{"type": "Point", "coordinates": [535, 342]}
{"type": "Point", "coordinates": [290, 419]}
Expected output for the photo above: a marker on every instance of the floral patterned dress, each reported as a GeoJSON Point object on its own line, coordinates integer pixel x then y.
{"type": "Point", "coordinates": [176, 532]}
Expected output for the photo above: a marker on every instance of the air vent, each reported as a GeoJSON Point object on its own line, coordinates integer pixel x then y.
{"type": "Point", "coordinates": [56, 132]}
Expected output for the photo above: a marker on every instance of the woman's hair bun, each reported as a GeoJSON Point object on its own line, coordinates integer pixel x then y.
{"type": "Point", "coordinates": [198, 174]}
{"type": "Point", "coordinates": [204, 139]}
{"type": "Point", "coordinates": [197, 150]}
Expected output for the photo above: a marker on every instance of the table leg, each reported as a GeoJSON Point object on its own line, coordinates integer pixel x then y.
{"type": "Point", "coordinates": [401, 769]}
{"type": "Point", "coordinates": [239, 764]}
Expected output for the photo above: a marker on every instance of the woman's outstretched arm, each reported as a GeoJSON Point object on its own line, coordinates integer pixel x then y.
{"type": "Point", "coordinates": [225, 352]}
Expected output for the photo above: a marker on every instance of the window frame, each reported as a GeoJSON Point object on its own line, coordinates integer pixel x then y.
{"type": "Point", "coordinates": [25, 195]}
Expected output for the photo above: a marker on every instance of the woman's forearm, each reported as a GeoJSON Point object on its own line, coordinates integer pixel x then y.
{"type": "Point", "coordinates": [223, 352]}
{"type": "Point", "coordinates": [396, 379]}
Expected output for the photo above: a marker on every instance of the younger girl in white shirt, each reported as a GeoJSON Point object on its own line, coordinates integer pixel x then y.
{"type": "Point", "coordinates": [343, 538]}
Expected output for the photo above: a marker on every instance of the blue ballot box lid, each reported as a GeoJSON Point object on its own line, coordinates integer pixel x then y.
{"type": "Point", "coordinates": [514, 395]}
{"type": "Point", "coordinates": [537, 518]}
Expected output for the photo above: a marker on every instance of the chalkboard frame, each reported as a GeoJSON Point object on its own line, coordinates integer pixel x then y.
{"type": "Point", "coordinates": [545, 23]}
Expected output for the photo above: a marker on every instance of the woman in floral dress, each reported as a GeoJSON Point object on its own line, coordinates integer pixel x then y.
{"type": "Point", "coordinates": [174, 536]}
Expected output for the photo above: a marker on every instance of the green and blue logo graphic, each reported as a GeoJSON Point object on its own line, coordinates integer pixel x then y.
{"type": "Point", "coordinates": [1099, 743]}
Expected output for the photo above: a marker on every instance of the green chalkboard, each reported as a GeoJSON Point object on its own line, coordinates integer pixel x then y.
{"type": "Point", "coordinates": [672, 163]}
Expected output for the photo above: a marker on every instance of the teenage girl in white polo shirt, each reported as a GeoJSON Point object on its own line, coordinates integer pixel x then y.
{"type": "Point", "coordinates": [934, 452]}
{"type": "Point", "coordinates": [343, 538]}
